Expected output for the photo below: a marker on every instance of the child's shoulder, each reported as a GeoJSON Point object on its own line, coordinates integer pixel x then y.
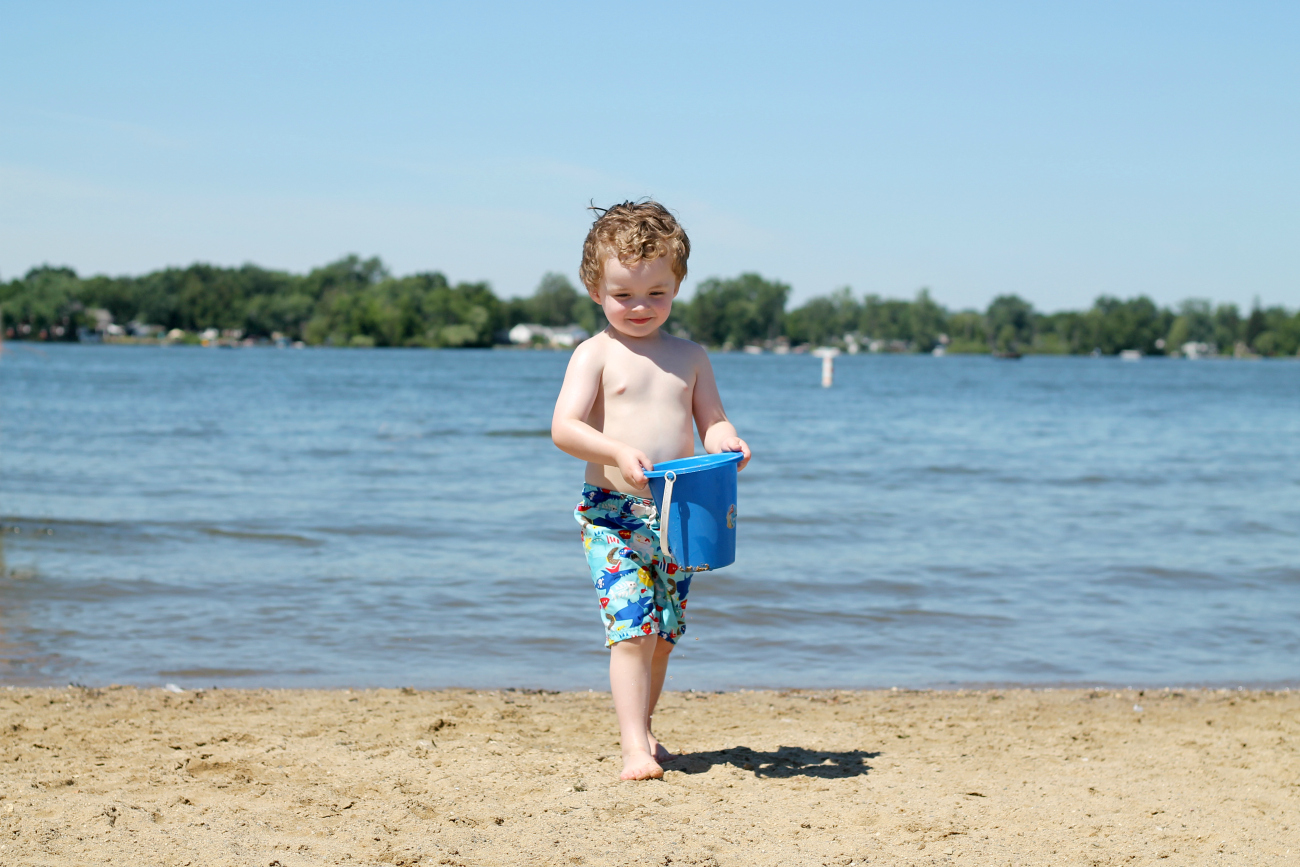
{"type": "Point", "coordinates": [594, 348]}
{"type": "Point", "coordinates": [592, 356]}
{"type": "Point", "coordinates": [687, 349]}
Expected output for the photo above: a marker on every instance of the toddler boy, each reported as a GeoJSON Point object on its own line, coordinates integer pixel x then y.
{"type": "Point", "coordinates": [630, 398]}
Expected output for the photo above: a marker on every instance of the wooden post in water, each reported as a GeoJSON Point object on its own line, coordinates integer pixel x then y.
{"type": "Point", "coordinates": [827, 355]}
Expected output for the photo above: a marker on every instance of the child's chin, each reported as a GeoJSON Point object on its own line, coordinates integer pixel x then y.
{"type": "Point", "coordinates": [638, 329]}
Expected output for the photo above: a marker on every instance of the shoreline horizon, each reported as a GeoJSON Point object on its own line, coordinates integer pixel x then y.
{"type": "Point", "coordinates": [1268, 687]}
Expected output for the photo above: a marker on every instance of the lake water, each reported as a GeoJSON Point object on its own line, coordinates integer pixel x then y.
{"type": "Point", "coordinates": [268, 517]}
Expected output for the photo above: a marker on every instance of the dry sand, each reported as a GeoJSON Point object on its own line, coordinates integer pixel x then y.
{"type": "Point", "coordinates": [127, 776]}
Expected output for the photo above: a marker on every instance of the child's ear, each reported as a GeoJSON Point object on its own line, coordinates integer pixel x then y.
{"type": "Point", "coordinates": [594, 294]}
{"type": "Point", "coordinates": [677, 288]}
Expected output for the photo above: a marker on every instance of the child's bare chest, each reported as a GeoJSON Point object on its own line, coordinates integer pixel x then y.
{"type": "Point", "coordinates": [644, 381]}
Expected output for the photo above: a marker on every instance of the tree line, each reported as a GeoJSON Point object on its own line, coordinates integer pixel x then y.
{"type": "Point", "coordinates": [358, 302]}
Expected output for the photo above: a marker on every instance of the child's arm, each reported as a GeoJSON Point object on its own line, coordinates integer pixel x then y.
{"type": "Point", "coordinates": [717, 434]}
{"type": "Point", "coordinates": [570, 430]}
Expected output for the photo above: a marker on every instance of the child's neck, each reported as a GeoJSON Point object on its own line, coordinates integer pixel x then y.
{"type": "Point", "coordinates": [632, 340]}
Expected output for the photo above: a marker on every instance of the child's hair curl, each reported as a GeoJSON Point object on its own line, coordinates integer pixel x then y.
{"type": "Point", "coordinates": [633, 231]}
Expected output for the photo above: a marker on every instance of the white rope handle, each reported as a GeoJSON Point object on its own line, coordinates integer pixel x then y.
{"type": "Point", "coordinates": [669, 478]}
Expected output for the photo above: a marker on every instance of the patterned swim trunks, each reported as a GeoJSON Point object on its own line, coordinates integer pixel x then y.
{"type": "Point", "coordinates": [640, 591]}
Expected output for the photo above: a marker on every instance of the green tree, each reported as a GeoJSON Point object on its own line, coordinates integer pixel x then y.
{"type": "Point", "coordinates": [556, 302]}
{"type": "Point", "coordinates": [825, 319]}
{"type": "Point", "coordinates": [928, 321]}
{"type": "Point", "coordinates": [1179, 334]}
{"type": "Point", "coordinates": [1227, 327]}
{"type": "Point", "coordinates": [1194, 323]}
{"type": "Point", "coordinates": [968, 332]}
{"type": "Point", "coordinates": [1256, 325]}
{"type": "Point", "coordinates": [888, 319]}
{"type": "Point", "coordinates": [284, 313]}
{"type": "Point", "coordinates": [1010, 323]}
{"type": "Point", "coordinates": [349, 273]}
{"type": "Point", "coordinates": [743, 310]}
{"type": "Point", "coordinates": [1280, 334]}
{"type": "Point", "coordinates": [420, 310]}
{"type": "Point", "coordinates": [357, 302]}
{"type": "Point", "coordinates": [1114, 325]}
{"type": "Point", "coordinates": [44, 305]}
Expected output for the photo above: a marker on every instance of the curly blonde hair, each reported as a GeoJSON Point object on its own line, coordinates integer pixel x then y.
{"type": "Point", "coordinates": [633, 231]}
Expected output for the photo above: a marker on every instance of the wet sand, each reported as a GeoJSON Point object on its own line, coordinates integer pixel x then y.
{"type": "Point", "coordinates": [462, 777]}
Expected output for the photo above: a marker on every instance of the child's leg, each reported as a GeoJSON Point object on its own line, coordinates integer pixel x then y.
{"type": "Point", "coordinates": [631, 666]}
{"type": "Point", "coordinates": [658, 672]}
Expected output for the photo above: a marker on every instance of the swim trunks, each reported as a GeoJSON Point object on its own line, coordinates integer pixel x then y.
{"type": "Point", "coordinates": [642, 592]}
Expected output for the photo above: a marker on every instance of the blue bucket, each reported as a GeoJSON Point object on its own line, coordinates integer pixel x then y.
{"type": "Point", "coordinates": [696, 498]}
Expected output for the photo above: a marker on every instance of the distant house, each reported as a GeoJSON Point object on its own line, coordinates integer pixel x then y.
{"type": "Point", "coordinates": [525, 334]}
{"type": "Point", "coordinates": [143, 329]}
{"type": "Point", "coordinates": [102, 318]}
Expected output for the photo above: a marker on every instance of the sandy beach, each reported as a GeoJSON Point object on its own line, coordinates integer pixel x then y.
{"type": "Point", "coordinates": [301, 777]}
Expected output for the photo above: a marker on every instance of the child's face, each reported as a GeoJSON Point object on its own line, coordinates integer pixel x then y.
{"type": "Point", "coordinates": [637, 298]}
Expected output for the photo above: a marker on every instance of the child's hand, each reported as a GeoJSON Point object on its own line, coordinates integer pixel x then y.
{"type": "Point", "coordinates": [633, 464]}
{"type": "Point", "coordinates": [736, 444]}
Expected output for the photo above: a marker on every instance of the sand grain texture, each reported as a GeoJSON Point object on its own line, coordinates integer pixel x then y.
{"type": "Point", "coordinates": [461, 777]}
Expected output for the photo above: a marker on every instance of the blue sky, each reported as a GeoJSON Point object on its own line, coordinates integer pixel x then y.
{"type": "Point", "coordinates": [1054, 150]}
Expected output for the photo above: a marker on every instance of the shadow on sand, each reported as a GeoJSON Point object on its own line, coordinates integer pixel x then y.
{"type": "Point", "coordinates": [781, 763]}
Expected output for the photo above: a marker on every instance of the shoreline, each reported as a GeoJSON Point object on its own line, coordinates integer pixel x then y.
{"type": "Point", "coordinates": [468, 777]}
{"type": "Point", "coordinates": [799, 351]}
{"type": "Point", "coordinates": [11, 683]}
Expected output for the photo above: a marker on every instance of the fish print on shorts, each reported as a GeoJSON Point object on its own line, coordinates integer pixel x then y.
{"type": "Point", "coordinates": [636, 583]}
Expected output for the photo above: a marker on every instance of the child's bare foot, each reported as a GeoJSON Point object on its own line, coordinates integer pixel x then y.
{"type": "Point", "coordinates": [658, 750]}
{"type": "Point", "coordinates": [641, 766]}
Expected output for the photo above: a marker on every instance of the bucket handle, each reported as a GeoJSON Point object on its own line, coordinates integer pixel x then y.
{"type": "Point", "coordinates": [669, 478]}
